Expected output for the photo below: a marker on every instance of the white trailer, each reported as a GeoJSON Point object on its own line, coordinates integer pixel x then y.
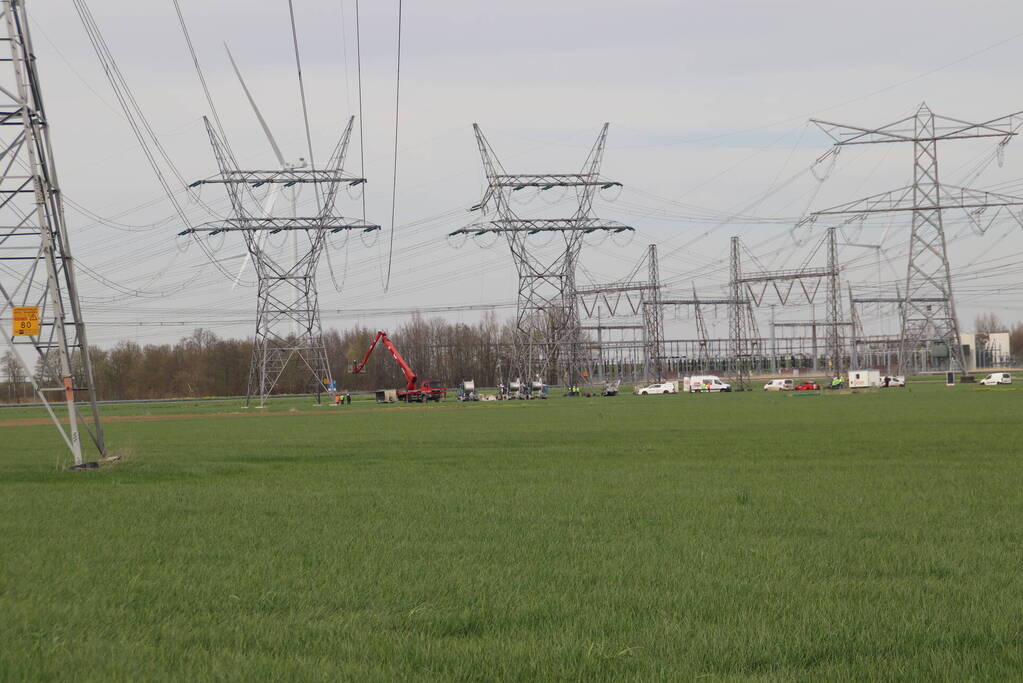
{"type": "Point", "coordinates": [863, 379]}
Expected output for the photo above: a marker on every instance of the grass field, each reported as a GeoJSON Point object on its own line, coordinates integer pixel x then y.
{"type": "Point", "coordinates": [853, 536]}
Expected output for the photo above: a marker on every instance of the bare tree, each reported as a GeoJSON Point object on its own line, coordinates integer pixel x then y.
{"type": "Point", "coordinates": [986, 323]}
{"type": "Point", "coordinates": [13, 375]}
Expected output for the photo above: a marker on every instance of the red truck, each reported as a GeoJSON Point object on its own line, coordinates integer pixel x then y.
{"type": "Point", "coordinates": [414, 391]}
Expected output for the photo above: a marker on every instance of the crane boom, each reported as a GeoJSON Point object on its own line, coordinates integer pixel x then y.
{"type": "Point", "coordinates": [410, 376]}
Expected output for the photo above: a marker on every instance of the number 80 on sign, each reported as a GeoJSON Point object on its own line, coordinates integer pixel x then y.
{"type": "Point", "coordinates": [26, 321]}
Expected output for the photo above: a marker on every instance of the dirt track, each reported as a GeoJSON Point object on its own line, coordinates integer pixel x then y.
{"type": "Point", "coordinates": [33, 421]}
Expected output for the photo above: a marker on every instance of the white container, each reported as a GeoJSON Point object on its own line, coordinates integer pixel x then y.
{"type": "Point", "coordinates": [863, 379]}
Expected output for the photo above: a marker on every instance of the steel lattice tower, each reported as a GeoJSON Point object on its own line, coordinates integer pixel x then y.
{"type": "Point", "coordinates": [653, 319]}
{"type": "Point", "coordinates": [36, 267]}
{"type": "Point", "coordinates": [287, 313]}
{"type": "Point", "coordinates": [548, 339]}
{"type": "Point", "coordinates": [928, 308]}
{"type": "Point", "coordinates": [741, 325]}
{"type": "Point", "coordinates": [836, 349]}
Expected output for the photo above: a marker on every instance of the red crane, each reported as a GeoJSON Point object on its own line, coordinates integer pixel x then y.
{"type": "Point", "coordinates": [427, 391]}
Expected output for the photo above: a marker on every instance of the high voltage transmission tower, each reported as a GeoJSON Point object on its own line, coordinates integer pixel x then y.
{"type": "Point", "coordinates": [288, 313]}
{"type": "Point", "coordinates": [653, 320]}
{"type": "Point", "coordinates": [37, 278]}
{"type": "Point", "coordinates": [836, 348]}
{"type": "Point", "coordinates": [742, 325]}
{"type": "Point", "coordinates": [929, 322]}
{"type": "Point", "coordinates": [548, 339]}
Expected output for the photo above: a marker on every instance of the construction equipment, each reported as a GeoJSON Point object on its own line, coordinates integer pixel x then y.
{"type": "Point", "coordinates": [611, 388]}
{"type": "Point", "coordinates": [414, 391]}
{"type": "Point", "coordinates": [513, 392]}
{"type": "Point", "coordinates": [467, 391]}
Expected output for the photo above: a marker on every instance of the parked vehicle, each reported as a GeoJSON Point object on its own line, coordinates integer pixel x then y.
{"type": "Point", "coordinates": [705, 383]}
{"type": "Point", "coordinates": [893, 381]}
{"type": "Point", "coordinates": [779, 385]}
{"type": "Point", "coordinates": [863, 379]}
{"type": "Point", "coordinates": [996, 378]}
{"type": "Point", "coordinates": [414, 391]}
{"type": "Point", "coordinates": [808, 386]}
{"type": "Point", "coordinates": [659, 388]}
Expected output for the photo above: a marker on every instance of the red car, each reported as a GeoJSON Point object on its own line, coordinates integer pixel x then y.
{"type": "Point", "coordinates": [808, 386]}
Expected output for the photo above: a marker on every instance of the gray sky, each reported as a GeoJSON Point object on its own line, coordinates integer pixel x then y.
{"type": "Point", "coordinates": [708, 104]}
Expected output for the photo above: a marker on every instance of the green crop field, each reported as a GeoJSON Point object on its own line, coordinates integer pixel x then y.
{"type": "Point", "coordinates": [843, 536]}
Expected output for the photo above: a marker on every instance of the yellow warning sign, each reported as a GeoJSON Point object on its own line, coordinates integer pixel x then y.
{"type": "Point", "coordinates": [26, 321]}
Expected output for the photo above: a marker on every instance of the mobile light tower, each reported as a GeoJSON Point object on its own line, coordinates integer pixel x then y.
{"type": "Point", "coordinates": [548, 336]}
{"type": "Point", "coordinates": [287, 311]}
{"type": "Point", "coordinates": [928, 308]}
{"type": "Point", "coordinates": [38, 292]}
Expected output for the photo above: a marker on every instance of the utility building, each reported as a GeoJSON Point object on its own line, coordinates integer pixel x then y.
{"type": "Point", "coordinates": [986, 350]}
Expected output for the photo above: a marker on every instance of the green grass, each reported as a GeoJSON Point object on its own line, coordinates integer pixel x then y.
{"type": "Point", "coordinates": [855, 536]}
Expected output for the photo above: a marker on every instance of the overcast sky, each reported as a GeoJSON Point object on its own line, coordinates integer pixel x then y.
{"type": "Point", "coordinates": [708, 105]}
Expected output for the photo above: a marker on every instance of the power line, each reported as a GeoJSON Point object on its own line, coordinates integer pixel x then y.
{"type": "Point", "coordinates": [305, 108]}
{"type": "Point", "coordinates": [394, 179]}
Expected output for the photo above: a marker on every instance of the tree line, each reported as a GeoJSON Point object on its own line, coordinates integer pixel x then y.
{"type": "Point", "coordinates": [203, 364]}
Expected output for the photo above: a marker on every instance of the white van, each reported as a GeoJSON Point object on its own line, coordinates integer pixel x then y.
{"type": "Point", "coordinates": [705, 383]}
{"type": "Point", "coordinates": [779, 385]}
{"type": "Point", "coordinates": [996, 378]}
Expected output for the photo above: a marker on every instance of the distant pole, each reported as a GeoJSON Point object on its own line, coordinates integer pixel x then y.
{"type": "Point", "coordinates": [774, 342]}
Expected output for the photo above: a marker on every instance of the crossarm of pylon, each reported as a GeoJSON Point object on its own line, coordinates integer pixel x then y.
{"type": "Point", "coordinates": [953, 197]}
{"type": "Point", "coordinates": [902, 199]}
{"type": "Point", "coordinates": [536, 225]}
{"type": "Point", "coordinates": [893, 200]}
{"type": "Point", "coordinates": [613, 288]}
{"type": "Point", "coordinates": [899, 300]}
{"type": "Point", "coordinates": [283, 176]}
{"type": "Point", "coordinates": [903, 130]}
{"type": "Point", "coordinates": [776, 275]}
{"type": "Point", "coordinates": [278, 224]}
{"type": "Point", "coordinates": [546, 181]}
{"type": "Point", "coordinates": [693, 302]}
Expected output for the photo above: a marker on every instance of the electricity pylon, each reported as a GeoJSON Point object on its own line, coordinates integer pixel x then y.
{"type": "Point", "coordinates": [548, 335]}
{"type": "Point", "coordinates": [836, 347]}
{"type": "Point", "coordinates": [742, 326]}
{"type": "Point", "coordinates": [653, 319]}
{"type": "Point", "coordinates": [926, 325]}
{"type": "Point", "coordinates": [36, 268]}
{"type": "Point", "coordinates": [288, 312]}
